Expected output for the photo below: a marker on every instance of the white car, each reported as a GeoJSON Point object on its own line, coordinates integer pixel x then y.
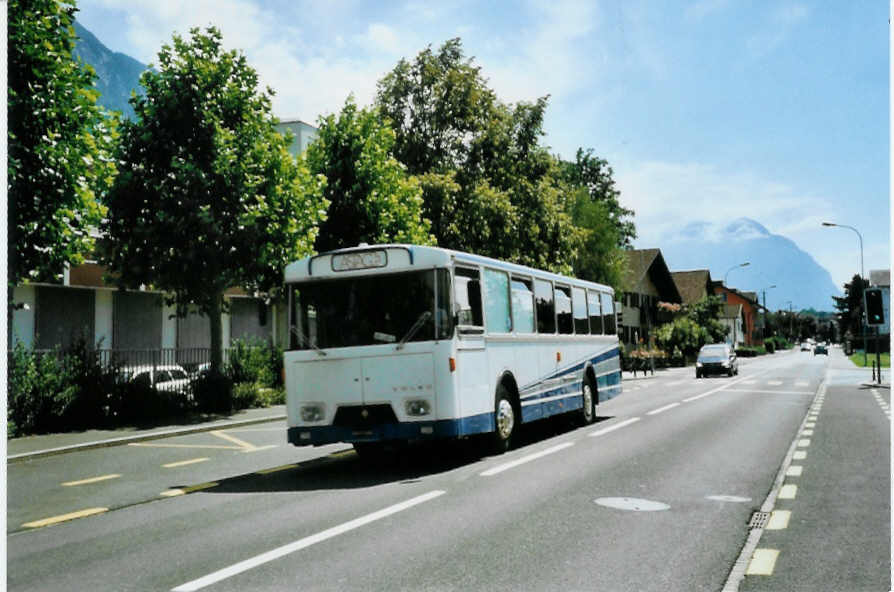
{"type": "Point", "coordinates": [169, 377]}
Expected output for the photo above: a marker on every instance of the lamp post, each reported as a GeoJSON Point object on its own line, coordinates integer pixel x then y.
{"type": "Point", "coordinates": [791, 320]}
{"type": "Point", "coordinates": [862, 287]}
{"type": "Point", "coordinates": [746, 264]}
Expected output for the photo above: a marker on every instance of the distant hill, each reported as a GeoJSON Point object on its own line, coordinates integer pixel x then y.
{"type": "Point", "coordinates": [774, 259]}
{"type": "Point", "coordinates": [117, 74]}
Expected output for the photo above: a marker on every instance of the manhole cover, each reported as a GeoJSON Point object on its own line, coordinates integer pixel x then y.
{"type": "Point", "coordinates": [728, 498]}
{"type": "Point", "coordinates": [632, 504]}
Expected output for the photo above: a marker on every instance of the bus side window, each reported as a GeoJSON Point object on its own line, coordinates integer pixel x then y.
{"type": "Point", "coordinates": [563, 310]}
{"type": "Point", "coordinates": [522, 306]}
{"type": "Point", "coordinates": [467, 297]}
{"type": "Point", "coordinates": [546, 307]}
{"type": "Point", "coordinates": [496, 301]}
{"type": "Point", "coordinates": [595, 312]}
{"type": "Point", "coordinates": [579, 308]}
{"type": "Point", "coordinates": [608, 314]}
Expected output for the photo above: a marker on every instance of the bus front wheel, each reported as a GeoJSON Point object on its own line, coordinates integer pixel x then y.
{"type": "Point", "coordinates": [505, 421]}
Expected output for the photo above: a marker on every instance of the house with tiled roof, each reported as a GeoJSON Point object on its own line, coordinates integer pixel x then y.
{"type": "Point", "coordinates": [693, 285]}
{"type": "Point", "coordinates": [748, 313]}
{"type": "Point", "coordinates": [647, 281]}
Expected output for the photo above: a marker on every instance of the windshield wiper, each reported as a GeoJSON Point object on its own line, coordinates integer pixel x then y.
{"type": "Point", "coordinates": [306, 341]}
{"type": "Point", "coordinates": [416, 326]}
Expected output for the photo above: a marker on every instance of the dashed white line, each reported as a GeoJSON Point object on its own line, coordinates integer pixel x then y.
{"type": "Point", "coordinates": [525, 459]}
{"type": "Point", "coordinates": [662, 409]}
{"type": "Point", "coordinates": [617, 426]}
{"type": "Point", "coordinates": [269, 556]}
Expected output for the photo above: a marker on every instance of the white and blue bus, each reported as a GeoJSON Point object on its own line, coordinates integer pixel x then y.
{"type": "Point", "coordinates": [396, 343]}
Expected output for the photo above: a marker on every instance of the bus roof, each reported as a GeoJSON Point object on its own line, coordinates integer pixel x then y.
{"type": "Point", "coordinates": [373, 259]}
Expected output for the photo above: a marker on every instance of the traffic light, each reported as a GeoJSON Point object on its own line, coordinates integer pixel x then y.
{"type": "Point", "coordinates": [875, 307]}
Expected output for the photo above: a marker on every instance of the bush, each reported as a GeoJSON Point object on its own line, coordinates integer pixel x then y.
{"type": "Point", "coordinates": [255, 361]}
{"type": "Point", "coordinates": [213, 393]}
{"type": "Point", "coordinates": [770, 346]}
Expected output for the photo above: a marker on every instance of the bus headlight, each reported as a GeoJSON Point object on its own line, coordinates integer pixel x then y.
{"type": "Point", "coordinates": [417, 407]}
{"type": "Point", "coordinates": [313, 412]}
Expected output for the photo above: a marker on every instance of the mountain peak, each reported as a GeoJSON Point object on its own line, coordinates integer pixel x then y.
{"type": "Point", "coordinates": [745, 229]}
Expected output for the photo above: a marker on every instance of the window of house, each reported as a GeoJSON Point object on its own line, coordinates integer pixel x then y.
{"type": "Point", "coordinates": [546, 307]}
{"type": "Point", "coordinates": [579, 310]}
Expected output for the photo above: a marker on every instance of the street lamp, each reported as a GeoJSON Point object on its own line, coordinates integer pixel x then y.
{"type": "Point", "coordinates": [862, 281]}
{"type": "Point", "coordinates": [764, 292]}
{"type": "Point", "coordinates": [746, 264]}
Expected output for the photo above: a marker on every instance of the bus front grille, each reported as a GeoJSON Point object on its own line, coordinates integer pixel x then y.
{"type": "Point", "coordinates": [364, 416]}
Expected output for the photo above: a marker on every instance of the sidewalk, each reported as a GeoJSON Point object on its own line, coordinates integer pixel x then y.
{"type": "Point", "coordinates": [30, 447]}
{"type": "Point", "coordinates": [627, 375]}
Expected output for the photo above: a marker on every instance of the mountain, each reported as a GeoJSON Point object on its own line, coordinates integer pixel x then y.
{"type": "Point", "coordinates": [117, 74]}
{"type": "Point", "coordinates": [773, 260]}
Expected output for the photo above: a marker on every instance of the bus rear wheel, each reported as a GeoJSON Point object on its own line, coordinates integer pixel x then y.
{"type": "Point", "coordinates": [505, 421]}
{"type": "Point", "coordinates": [588, 393]}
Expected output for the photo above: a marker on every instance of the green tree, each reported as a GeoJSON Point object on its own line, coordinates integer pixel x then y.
{"type": "Point", "coordinates": [707, 313]}
{"type": "Point", "coordinates": [595, 175]}
{"type": "Point", "coordinates": [59, 139]}
{"type": "Point", "coordinates": [208, 196]}
{"type": "Point", "coordinates": [371, 197]}
{"type": "Point", "coordinates": [488, 186]}
{"type": "Point", "coordinates": [850, 307]}
{"type": "Point", "coordinates": [598, 257]}
{"type": "Point", "coordinates": [682, 333]}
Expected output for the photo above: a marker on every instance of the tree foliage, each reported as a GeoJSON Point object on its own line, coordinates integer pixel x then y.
{"type": "Point", "coordinates": [59, 140]}
{"type": "Point", "coordinates": [208, 196]}
{"type": "Point", "coordinates": [696, 324]}
{"type": "Point", "coordinates": [850, 306]}
{"type": "Point", "coordinates": [371, 197]}
{"type": "Point", "coordinates": [488, 186]}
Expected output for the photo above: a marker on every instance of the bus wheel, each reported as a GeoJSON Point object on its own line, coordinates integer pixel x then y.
{"type": "Point", "coordinates": [588, 413]}
{"type": "Point", "coordinates": [504, 421]}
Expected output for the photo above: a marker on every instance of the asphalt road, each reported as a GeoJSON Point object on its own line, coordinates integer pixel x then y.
{"type": "Point", "coordinates": [657, 495]}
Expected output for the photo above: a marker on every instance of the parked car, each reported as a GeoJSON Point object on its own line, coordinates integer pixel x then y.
{"type": "Point", "coordinates": [805, 346]}
{"type": "Point", "coordinates": [716, 358]}
{"type": "Point", "coordinates": [821, 348]}
{"type": "Point", "coordinates": [169, 377]}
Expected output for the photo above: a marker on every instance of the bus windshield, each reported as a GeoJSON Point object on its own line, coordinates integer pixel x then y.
{"type": "Point", "coordinates": [370, 310]}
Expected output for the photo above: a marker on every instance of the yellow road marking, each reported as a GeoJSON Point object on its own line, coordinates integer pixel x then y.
{"type": "Point", "coordinates": [259, 448]}
{"type": "Point", "coordinates": [799, 455]}
{"type": "Point", "coordinates": [794, 471]}
{"type": "Point", "coordinates": [762, 562]}
{"type": "Point", "coordinates": [190, 489]}
{"type": "Point", "coordinates": [91, 480]}
{"type": "Point", "coordinates": [241, 443]}
{"type": "Point", "coordinates": [788, 492]}
{"type": "Point", "coordinates": [183, 463]}
{"type": "Point", "coordinates": [804, 443]}
{"type": "Point", "coordinates": [778, 520]}
{"type": "Point", "coordinates": [215, 447]}
{"type": "Point", "coordinates": [276, 469]}
{"type": "Point", "coordinates": [342, 453]}
{"type": "Point", "coordinates": [65, 517]}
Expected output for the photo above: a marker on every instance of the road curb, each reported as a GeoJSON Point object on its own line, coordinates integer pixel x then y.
{"type": "Point", "coordinates": [25, 456]}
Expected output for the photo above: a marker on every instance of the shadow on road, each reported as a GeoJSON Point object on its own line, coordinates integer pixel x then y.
{"type": "Point", "coordinates": [348, 470]}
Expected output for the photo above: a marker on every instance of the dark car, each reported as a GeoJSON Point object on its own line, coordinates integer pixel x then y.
{"type": "Point", "coordinates": [821, 348]}
{"type": "Point", "coordinates": [717, 358]}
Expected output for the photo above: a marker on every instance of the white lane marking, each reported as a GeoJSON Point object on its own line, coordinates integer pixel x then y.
{"type": "Point", "coordinates": [804, 443]}
{"type": "Point", "coordinates": [806, 432]}
{"type": "Point", "coordinates": [769, 392]}
{"type": "Point", "coordinates": [799, 455]}
{"type": "Point", "coordinates": [725, 386]}
{"type": "Point", "coordinates": [794, 471]}
{"type": "Point", "coordinates": [762, 562]}
{"type": "Point", "coordinates": [662, 409]}
{"type": "Point", "coordinates": [801, 383]}
{"type": "Point", "coordinates": [257, 560]}
{"type": "Point", "coordinates": [788, 492]}
{"type": "Point", "coordinates": [525, 459]}
{"type": "Point", "coordinates": [617, 426]}
{"type": "Point", "coordinates": [774, 382]}
{"type": "Point", "coordinates": [677, 382]}
{"type": "Point", "coordinates": [778, 520]}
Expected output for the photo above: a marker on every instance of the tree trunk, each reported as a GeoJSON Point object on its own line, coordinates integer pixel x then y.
{"type": "Point", "coordinates": [214, 317]}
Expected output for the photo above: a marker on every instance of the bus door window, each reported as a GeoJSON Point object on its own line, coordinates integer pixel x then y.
{"type": "Point", "coordinates": [608, 314]}
{"type": "Point", "coordinates": [522, 305]}
{"type": "Point", "coordinates": [546, 306]}
{"type": "Point", "coordinates": [579, 309]}
{"type": "Point", "coordinates": [467, 297]}
{"type": "Point", "coordinates": [443, 320]}
{"type": "Point", "coordinates": [497, 316]}
{"type": "Point", "coordinates": [595, 312]}
{"type": "Point", "coordinates": [563, 310]}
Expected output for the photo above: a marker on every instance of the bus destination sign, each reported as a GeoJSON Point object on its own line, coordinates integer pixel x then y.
{"type": "Point", "coordinates": [361, 260]}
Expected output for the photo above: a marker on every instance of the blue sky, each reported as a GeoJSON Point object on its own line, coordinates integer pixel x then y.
{"type": "Point", "coordinates": [710, 109]}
